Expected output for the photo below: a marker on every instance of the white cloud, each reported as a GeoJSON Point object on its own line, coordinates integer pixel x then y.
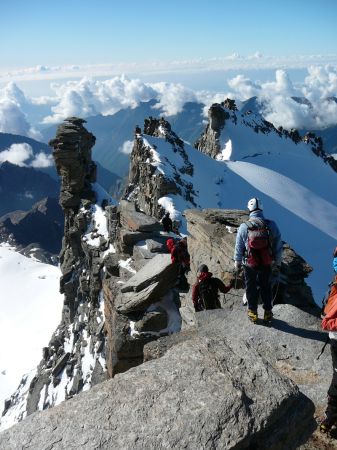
{"type": "Point", "coordinates": [172, 97]}
{"type": "Point", "coordinates": [22, 155]}
{"type": "Point", "coordinates": [12, 118]}
{"type": "Point", "coordinates": [17, 154]}
{"type": "Point", "coordinates": [244, 86]}
{"type": "Point", "coordinates": [89, 97]}
{"type": "Point", "coordinates": [278, 105]}
{"type": "Point", "coordinates": [42, 160]}
{"type": "Point", "coordinates": [126, 147]}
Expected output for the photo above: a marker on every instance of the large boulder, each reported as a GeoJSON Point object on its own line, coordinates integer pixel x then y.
{"type": "Point", "coordinates": [207, 392]}
{"type": "Point", "coordinates": [158, 269]}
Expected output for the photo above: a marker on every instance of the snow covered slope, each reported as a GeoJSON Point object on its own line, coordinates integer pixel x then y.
{"type": "Point", "coordinates": [31, 307]}
{"type": "Point", "coordinates": [298, 188]}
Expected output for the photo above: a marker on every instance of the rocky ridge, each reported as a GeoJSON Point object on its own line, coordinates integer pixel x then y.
{"type": "Point", "coordinates": [141, 307]}
{"type": "Point", "coordinates": [103, 327]}
{"type": "Point", "coordinates": [221, 113]}
{"type": "Point", "coordinates": [74, 358]}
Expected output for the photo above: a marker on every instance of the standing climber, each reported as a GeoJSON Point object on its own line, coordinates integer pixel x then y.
{"type": "Point", "coordinates": [258, 251]}
{"type": "Point", "coordinates": [181, 257]}
{"type": "Point", "coordinates": [167, 223]}
{"type": "Point", "coordinates": [205, 292]}
{"type": "Point", "coordinates": [329, 323]}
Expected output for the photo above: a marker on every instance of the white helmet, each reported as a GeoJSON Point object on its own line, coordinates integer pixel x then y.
{"type": "Point", "coordinates": [254, 204]}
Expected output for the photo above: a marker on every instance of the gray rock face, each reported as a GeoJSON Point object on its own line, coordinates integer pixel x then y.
{"type": "Point", "coordinates": [204, 393]}
{"type": "Point", "coordinates": [144, 188]}
{"type": "Point", "coordinates": [291, 345]}
{"type": "Point", "coordinates": [155, 270]}
{"type": "Point", "coordinates": [212, 242]}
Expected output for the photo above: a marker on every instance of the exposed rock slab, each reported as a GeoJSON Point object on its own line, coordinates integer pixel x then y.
{"type": "Point", "coordinates": [291, 345]}
{"type": "Point", "coordinates": [158, 268]}
{"type": "Point", "coordinates": [137, 301]}
{"type": "Point", "coordinates": [204, 393]}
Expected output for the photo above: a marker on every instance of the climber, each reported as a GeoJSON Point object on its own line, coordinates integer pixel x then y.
{"type": "Point", "coordinates": [167, 223]}
{"type": "Point", "coordinates": [258, 251]}
{"type": "Point", "coordinates": [329, 323]}
{"type": "Point", "coordinates": [175, 227]}
{"type": "Point", "coordinates": [181, 257]}
{"type": "Point", "coordinates": [205, 292]}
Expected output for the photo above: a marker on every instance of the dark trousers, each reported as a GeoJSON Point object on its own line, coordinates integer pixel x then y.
{"type": "Point", "coordinates": [258, 281]}
{"type": "Point", "coordinates": [331, 411]}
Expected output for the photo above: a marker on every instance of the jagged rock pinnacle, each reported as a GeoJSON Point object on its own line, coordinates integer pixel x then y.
{"type": "Point", "coordinates": [72, 154]}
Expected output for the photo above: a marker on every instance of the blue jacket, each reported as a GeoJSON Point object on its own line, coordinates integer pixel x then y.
{"type": "Point", "coordinates": [241, 244]}
{"type": "Point", "coordinates": [334, 264]}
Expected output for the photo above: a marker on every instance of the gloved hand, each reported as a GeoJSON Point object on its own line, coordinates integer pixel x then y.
{"type": "Point", "coordinates": [237, 266]}
{"type": "Point", "coordinates": [275, 269]}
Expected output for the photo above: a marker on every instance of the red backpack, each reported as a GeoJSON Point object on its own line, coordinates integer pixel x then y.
{"type": "Point", "coordinates": [329, 321]}
{"type": "Point", "coordinates": [259, 248]}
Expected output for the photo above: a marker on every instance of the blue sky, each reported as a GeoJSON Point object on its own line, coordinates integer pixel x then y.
{"type": "Point", "coordinates": [100, 31]}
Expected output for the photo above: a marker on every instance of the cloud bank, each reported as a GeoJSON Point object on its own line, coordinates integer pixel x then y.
{"type": "Point", "coordinates": [314, 106]}
{"type": "Point", "coordinates": [234, 61]}
{"type": "Point", "coordinates": [12, 118]}
{"type": "Point", "coordinates": [22, 155]}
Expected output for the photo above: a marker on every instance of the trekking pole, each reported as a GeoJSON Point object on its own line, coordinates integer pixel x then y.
{"type": "Point", "coordinates": [323, 348]}
{"type": "Point", "coordinates": [276, 292]}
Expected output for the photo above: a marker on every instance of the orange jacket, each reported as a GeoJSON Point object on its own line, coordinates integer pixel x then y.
{"type": "Point", "coordinates": [329, 322]}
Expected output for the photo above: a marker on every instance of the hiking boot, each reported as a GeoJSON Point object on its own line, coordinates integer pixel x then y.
{"type": "Point", "coordinates": [252, 315]}
{"type": "Point", "coordinates": [268, 315]}
{"type": "Point", "coordinates": [326, 425]}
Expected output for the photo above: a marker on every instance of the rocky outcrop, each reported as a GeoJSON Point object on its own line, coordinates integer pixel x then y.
{"type": "Point", "coordinates": [75, 357]}
{"type": "Point", "coordinates": [226, 111]}
{"type": "Point", "coordinates": [146, 184]}
{"type": "Point", "coordinates": [211, 241]}
{"type": "Point", "coordinates": [141, 303]}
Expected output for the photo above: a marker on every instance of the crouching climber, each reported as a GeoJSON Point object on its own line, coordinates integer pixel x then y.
{"type": "Point", "coordinates": [181, 257]}
{"type": "Point", "coordinates": [205, 292]}
{"type": "Point", "coordinates": [329, 323]}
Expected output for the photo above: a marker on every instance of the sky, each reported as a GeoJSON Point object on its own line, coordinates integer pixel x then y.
{"type": "Point", "coordinates": [86, 32]}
